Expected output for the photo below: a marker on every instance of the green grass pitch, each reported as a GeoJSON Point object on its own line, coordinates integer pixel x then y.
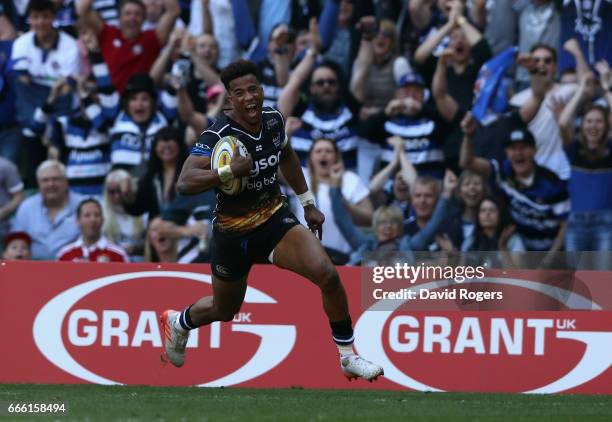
{"type": "Point", "coordinates": [136, 403]}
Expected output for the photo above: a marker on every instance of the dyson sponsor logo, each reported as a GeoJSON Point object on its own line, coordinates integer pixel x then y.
{"type": "Point", "coordinates": [264, 163]}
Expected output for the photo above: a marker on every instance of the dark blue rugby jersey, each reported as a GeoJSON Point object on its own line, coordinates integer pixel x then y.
{"type": "Point", "coordinates": [537, 210]}
{"type": "Point", "coordinates": [423, 135]}
{"type": "Point", "coordinates": [262, 197]}
{"type": "Point", "coordinates": [340, 126]}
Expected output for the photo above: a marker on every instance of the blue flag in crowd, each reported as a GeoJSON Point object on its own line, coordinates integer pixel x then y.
{"type": "Point", "coordinates": [490, 95]}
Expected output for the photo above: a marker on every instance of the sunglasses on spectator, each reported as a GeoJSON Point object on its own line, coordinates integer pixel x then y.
{"type": "Point", "coordinates": [323, 82]}
{"type": "Point", "coordinates": [546, 60]}
{"type": "Point", "coordinates": [113, 191]}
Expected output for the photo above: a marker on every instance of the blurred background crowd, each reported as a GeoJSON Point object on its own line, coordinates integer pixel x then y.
{"type": "Point", "coordinates": [422, 125]}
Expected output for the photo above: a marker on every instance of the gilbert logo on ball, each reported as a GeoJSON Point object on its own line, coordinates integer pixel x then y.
{"type": "Point", "coordinates": [222, 156]}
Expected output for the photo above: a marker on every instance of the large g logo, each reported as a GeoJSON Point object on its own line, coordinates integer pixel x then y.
{"type": "Point", "coordinates": [277, 341]}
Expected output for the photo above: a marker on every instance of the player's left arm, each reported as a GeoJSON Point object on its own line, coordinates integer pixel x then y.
{"type": "Point", "coordinates": [292, 172]}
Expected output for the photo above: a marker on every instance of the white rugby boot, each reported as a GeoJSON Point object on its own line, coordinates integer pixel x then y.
{"type": "Point", "coordinates": [175, 339]}
{"type": "Point", "coordinates": [354, 366]}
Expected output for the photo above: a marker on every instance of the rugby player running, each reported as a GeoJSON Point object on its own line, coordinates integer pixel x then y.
{"type": "Point", "coordinates": [256, 225]}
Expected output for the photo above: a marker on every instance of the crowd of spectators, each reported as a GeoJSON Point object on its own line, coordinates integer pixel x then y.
{"type": "Point", "coordinates": [101, 101]}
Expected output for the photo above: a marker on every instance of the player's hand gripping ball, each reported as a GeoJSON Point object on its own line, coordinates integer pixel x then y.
{"type": "Point", "coordinates": [222, 155]}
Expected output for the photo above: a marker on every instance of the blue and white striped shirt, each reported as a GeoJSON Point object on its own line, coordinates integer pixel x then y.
{"type": "Point", "coordinates": [340, 126]}
{"type": "Point", "coordinates": [82, 136]}
{"type": "Point", "coordinates": [423, 136]}
{"type": "Point", "coordinates": [538, 209]}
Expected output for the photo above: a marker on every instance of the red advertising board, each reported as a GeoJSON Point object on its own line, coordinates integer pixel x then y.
{"type": "Point", "coordinates": [97, 323]}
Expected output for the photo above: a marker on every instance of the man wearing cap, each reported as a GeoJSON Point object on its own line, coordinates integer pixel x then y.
{"type": "Point", "coordinates": [128, 49]}
{"type": "Point", "coordinates": [417, 123]}
{"type": "Point", "coordinates": [538, 199]}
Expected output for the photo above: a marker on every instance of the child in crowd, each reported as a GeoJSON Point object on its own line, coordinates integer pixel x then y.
{"type": "Point", "coordinates": [17, 246]}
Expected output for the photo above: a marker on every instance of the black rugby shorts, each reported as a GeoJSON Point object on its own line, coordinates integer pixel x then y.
{"type": "Point", "coordinates": [233, 254]}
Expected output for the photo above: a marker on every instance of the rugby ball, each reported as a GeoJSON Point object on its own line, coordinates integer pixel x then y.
{"type": "Point", "coordinates": [222, 156]}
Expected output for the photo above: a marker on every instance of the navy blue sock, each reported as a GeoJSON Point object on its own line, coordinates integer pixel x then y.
{"type": "Point", "coordinates": [342, 332]}
{"type": "Point", "coordinates": [185, 320]}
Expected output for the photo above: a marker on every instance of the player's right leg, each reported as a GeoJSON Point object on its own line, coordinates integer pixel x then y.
{"type": "Point", "coordinates": [230, 267]}
{"type": "Point", "coordinates": [224, 303]}
{"type": "Point", "coordinates": [221, 306]}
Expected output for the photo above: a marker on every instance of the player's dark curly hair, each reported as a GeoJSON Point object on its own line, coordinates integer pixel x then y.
{"type": "Point", "coordinates": [238, 69]}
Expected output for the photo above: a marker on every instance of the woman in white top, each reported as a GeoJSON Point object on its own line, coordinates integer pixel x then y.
{"type": "Point", "coordinates": [324, 162]}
